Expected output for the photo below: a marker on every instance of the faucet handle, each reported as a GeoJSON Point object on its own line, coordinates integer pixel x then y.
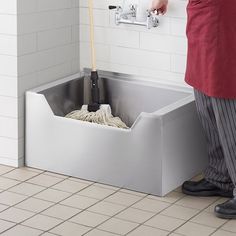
{"type": "Point", "coordinates": [153, 12]}
{"type": "Point", "coordinates": [111, 7]}
{"type": "Point", "coordinates": [133, 7]}
{"type": "Point", "coordinates": [152, 19]}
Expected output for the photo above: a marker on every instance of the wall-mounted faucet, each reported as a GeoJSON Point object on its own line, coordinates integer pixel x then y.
{"type": "Point", "coordinates": [130, 17]}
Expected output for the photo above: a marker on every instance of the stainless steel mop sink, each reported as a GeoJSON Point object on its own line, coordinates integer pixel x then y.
{"type": "Point", "coordinates": [163, 147]}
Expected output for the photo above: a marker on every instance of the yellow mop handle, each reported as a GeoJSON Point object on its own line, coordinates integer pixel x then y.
{"type": "Point", "coordinates": [93, 55]}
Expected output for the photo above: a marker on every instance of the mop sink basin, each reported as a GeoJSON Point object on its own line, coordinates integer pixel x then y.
{"type": "Point", "coordinates": [163, 147]}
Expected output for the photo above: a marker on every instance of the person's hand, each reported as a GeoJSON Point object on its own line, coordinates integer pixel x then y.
{"type": "Point", "coordinates": [160, 6]}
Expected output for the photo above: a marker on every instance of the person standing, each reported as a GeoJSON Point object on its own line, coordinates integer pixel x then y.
{"type": "Point", "coordinates": [211, 71]}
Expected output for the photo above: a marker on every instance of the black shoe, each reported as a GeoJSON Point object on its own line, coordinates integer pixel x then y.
{"type": "Point", "coordinates": [204, 188]}
{"type": "Point", "coordinates": [226, 210]}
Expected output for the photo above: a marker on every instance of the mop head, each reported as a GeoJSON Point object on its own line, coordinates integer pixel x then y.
{"type": "Point", "coordinates": [102, 116]}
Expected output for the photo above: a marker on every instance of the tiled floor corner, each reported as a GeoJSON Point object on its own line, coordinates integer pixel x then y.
{"type": "Point", "coordinates": [35, 202]}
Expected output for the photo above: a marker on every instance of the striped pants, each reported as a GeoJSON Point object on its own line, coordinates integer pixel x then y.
{"type": "Point", "coordinates": [218, 119]}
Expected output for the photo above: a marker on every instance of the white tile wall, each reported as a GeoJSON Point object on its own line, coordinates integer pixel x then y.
{"type": "Point", "coordinates": [8, 7]}
{"type": "Point", "coordinates": [46, 51]}
{"type": "Point", "coordinates": [8, 83]}
{"type": "Point", "coordinates": [26, 6]}
{"type": "Point", "coordinates": [159, 53]}
{"type": "Point", "coordinates": [8, 86]}
{"type": "Point", "coordinates": [43, 40]}
{"type": "Point", "coordinates": [36, 47]}
{"type": "Point", "coordinates": [8, 45]}
{"type": "Point", "coordinates": [8, 23]}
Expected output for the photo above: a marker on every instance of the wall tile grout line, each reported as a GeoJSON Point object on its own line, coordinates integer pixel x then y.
{"type": "Point", "coordinates": [134, 30]}
{"type": "Point", "coordinates": [26, 23]}
{"type": "Point", "coordinates": [136, 48]}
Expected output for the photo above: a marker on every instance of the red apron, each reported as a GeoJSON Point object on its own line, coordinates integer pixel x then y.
{"type": "Point", "coordinates": [211, 59]}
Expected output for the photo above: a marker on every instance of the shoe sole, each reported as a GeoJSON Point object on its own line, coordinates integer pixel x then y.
{"type": "Point", "coordinates": [207, 194]}
{"type": "Point", "coordinates": [225, 216]}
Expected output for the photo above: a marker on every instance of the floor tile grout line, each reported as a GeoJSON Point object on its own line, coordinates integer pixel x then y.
{"type": "Point", "coordinates": [94, 204]}
{"type": "Point", "coordinates": [147, 211]}
{"type": "Point", "coordinates": [216, 227]}
{"type": "Point", "coordinates": [127, 219]}
{"type": "Point", "coordinates": [114, 216]}
{"type": "Point", "coordinates": [21, 169]}
{"type": "Point", "coordinates": [219, 227]}
{"type": "Point", "coordinates": [59, 202]}
{"type": "Point", "coordinates": [130, 206]}
{"type": "Point", "coordinates": [95, 184]}
{"type": "Point", "coordinates": [99, 213]}
{"type": "Point", "coordinates": [119, 211]}
{"type": "Point", "coordinates": [174, 203]}
{"type": "Point", "coordinates": [45, 172]}
{"type": "Point", "coordinates": [54, 203]}
{"type": "Point", "coordinates": [179, 234]}
{"type": "Point", "coordinates": [148, 197]}
{"type": "Point", "coordinates": [59, 190]}
{"type": "Point", "coordinates": [202, 210]}
{"type": "Point", "coordinates": [37, 173]}
{"type": "Point", "coordinates": [143, 223]}
{"type": "Point", "coordinates": [45, 188]}
{"type": "Point", "coordinates": [118, 189]}
{"type": "Point", "coordinates": [69, 178]}
{"type": "Point", "coordinates": [82, 210]}
{"type": "Point", "coordinates": [7, 172]}
{"type": "Point", "coordinates": [199, 211]}
{"type": "Point", "coordinates": [11, 206]}
{"type": "Point", "coordinates": [139, 194]}
{"type": "Point", "coordinates": [228, 231]}
{"type": "Point", "coordinates": [99, 200]}
{"type": "Point", "coordinates": [193, 207]}
{"type": "Point", "coordinates": [19, 182]}
{"type": "Point", "coordinates": [76, 193]}
{"type": "Point", "coordinates": [28, 197]}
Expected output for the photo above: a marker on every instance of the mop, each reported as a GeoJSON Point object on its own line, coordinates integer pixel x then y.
{"type": "Point", "coordinates": [95, 112]}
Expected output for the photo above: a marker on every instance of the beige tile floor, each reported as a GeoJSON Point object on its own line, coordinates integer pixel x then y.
{"type": "Point", "coordinates": [35, 202]}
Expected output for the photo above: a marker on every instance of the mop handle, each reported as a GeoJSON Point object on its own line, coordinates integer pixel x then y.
{"type": "Point", "coordinates": [93, 55]}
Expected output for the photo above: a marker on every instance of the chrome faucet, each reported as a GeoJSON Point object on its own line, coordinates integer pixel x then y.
{"type": "Point", "coordinates": [130, 17]}
{"type": "Point", "coordinates": [131, 13]}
